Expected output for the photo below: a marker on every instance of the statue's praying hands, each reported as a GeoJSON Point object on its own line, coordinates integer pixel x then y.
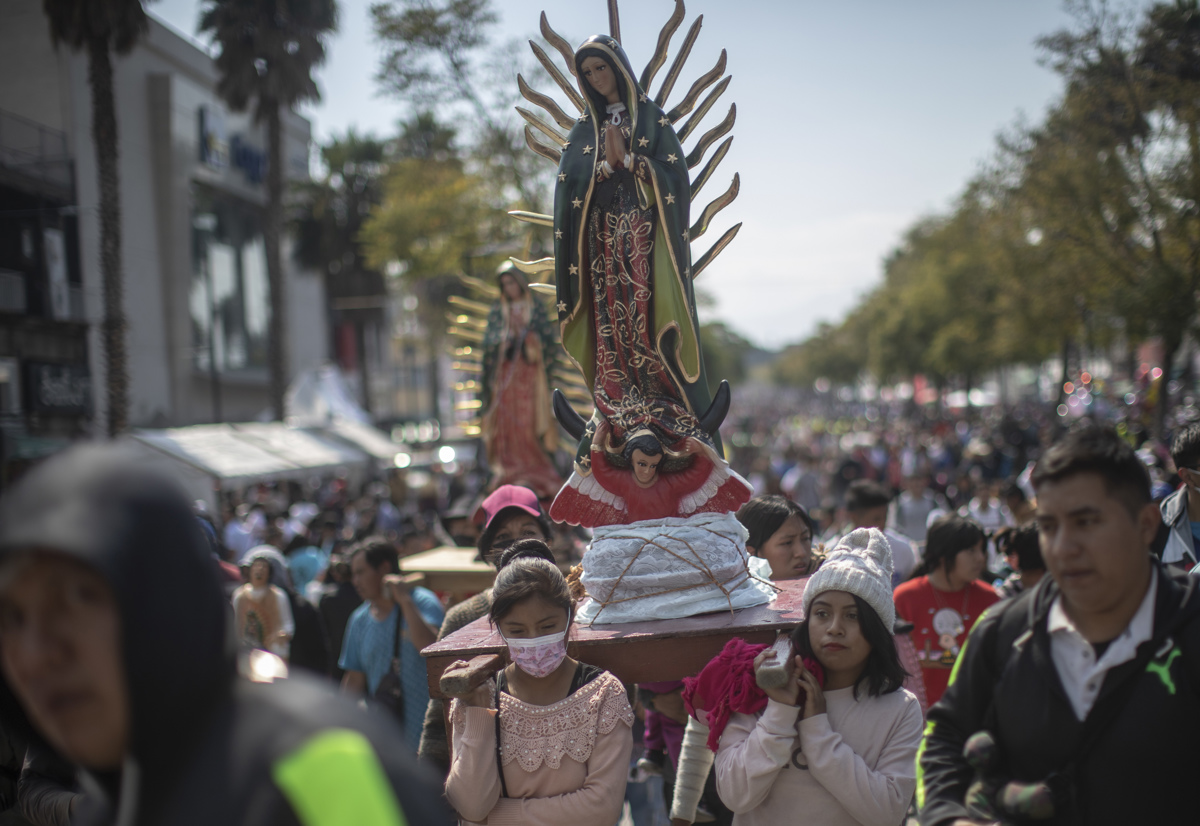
{"type": "Point", "coordinates": [614, 147]}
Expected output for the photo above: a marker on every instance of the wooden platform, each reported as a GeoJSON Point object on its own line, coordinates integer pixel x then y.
{"type": "Point", "coordinates": [640, 652]}
{"type": "Point", "coordinates": [452, 571]}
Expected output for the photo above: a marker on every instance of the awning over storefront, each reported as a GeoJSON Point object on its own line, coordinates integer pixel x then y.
{"type": "Point", "coordinates": [365, 437]}
{"type": "Point", "coordinates": [212, 457]}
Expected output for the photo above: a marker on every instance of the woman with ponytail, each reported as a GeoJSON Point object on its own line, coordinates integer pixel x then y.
{"type": "Point", "coordinates": [549, 740]}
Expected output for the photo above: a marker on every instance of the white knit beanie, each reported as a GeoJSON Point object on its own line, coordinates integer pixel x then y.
{"type": "Point", "coordinates": [860, 564]}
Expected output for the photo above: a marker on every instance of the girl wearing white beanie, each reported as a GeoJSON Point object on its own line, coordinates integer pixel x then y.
{"type": "Point", "coordinates": [841, 752]}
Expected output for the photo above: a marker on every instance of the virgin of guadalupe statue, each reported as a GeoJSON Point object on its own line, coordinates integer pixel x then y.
{"type": "Point", "coordinates": [519, 432]}
{"type": "Point", "coordinates": [627, 310]}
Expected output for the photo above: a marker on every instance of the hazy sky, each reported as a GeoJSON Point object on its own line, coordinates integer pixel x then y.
{"type": "Point", "coordinates": [854, 120]}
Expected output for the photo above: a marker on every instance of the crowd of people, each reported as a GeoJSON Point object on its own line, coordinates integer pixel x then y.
{"type": "Point", "coordinates": [997, 628]}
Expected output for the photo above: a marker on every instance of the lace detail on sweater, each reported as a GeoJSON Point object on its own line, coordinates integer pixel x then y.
{"type": "Point", "coordinates": [532, 735]}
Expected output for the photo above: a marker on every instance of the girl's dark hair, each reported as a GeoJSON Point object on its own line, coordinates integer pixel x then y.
{"type": "Point", "coordinates": [762, 516]}
{"type": "Point", "coordinates": [527, 571]}
{"type": "Point", "coordinates": [945, 539]}
{"type": "Point", "coordinates": [488, 535]}
{"type": "Point", "coordinates": [1023, 542]}
{"type": "Point", "coordinates": [526, 549]}
{"type": "Point", "coordinates": [599, 100]}
{"type": "Point", "coordinates": [883, 672]}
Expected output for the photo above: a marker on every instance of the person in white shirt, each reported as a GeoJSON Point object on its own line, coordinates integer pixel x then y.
{"type": "Point", "coordinates": [837, 750]}
{"type": "Point", "coordinates": [867, 507]}
{"type": "Point", "coordinates": [909, 512]}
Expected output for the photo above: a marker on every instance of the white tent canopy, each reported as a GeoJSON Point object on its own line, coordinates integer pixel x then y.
{"type": "Point", "coordinates": [326, 432]}
{"type": "Point", "coordinates": [369, 439]}
{"type": "Point", "coordinates": [212, 457]}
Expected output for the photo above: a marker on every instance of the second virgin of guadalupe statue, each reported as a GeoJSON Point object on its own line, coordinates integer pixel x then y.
{"type": "Point", "coordinates": [627, 310]}
{"type": "Point", "coordinates": [519, 432]}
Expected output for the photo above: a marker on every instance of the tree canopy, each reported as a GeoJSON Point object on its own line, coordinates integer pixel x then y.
{"type": "Point", "coordinates": [1084, 225]}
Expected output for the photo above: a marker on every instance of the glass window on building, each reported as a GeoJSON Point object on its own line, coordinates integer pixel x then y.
{"type": "Point", "coordinates": [230, 297]}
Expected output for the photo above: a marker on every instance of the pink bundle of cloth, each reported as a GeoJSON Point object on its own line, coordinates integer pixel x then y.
{"type": "Point", "coordinates": [726, 685]}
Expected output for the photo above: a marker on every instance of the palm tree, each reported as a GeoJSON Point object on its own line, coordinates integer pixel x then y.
{"type": "Point", "coordinates": [268, 49]}
{"type": "Point", "coordinates": [101, 26]}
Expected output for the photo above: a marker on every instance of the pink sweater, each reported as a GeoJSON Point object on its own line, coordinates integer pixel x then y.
{"type": "Point", "coordinates": [563, 763]}
{"type": "Point", "coordinates": [858, 759]}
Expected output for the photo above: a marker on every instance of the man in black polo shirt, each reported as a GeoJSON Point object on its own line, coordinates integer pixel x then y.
{"type": "Point", "coordinates": [1088, 683]}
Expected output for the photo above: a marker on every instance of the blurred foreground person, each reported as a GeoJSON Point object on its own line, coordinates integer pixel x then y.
{"type": "Point", "coordinates": [1075, 701]}
{"type": "Point", "coordinates": [115, 638]}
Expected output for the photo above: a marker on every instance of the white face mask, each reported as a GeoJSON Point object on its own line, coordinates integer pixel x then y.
{"type": "Point", "coordinates": [538, 656]}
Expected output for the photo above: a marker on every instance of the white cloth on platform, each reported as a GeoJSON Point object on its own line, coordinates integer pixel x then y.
{"type": "Point", "coordinates": [669, 568]}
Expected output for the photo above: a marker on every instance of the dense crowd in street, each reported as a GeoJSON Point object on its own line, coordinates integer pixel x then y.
{"type": "Point", "coordinates": [997, 629]}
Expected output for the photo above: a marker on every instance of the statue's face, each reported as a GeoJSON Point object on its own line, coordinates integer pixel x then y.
{"type": "Point", "coordinates": [600, 75]}
{"type": "Point", "coordinates": [510, 287]}
{"type": "Point", "coordinates": [645, 468]}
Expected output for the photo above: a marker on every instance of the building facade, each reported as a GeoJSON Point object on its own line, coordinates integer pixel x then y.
{"type": "Point", "coordinates": [193, 189]}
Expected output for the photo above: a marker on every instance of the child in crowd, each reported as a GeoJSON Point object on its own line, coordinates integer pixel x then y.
{"type": "Point", "coordinates": [945, 597]}
{"type": "Point", "coordinates": [549, 742]}
{"type": "Point", "coordinates": [1022, 550]}
{"type": "Point", "coordinates": [841, 751]}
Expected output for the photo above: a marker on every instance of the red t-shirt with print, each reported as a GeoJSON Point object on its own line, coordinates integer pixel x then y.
{"type": "Point", "coordinates": [941, 620]}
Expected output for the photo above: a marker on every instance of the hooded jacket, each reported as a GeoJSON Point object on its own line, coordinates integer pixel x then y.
{"type": "Point", "coordinates": [1131, 760]}
{"type": "Point", "coordinates": [205, 746]}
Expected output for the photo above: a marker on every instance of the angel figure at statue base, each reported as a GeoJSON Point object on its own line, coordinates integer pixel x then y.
{"type": "Point", "coordinates": [643, 480]}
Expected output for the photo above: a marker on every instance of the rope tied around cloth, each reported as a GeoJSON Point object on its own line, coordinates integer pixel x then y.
{"type": "Point", "coordinates": [696, 562]}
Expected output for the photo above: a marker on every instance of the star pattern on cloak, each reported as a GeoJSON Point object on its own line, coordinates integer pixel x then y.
{"type": "Point", "coordinates": [587, 150]}
{"type": "Point", "coordinates": [670, 198]}
{"type": "Point", "coordinates": [585, 462]}
{"type": "Point", "coordinates": [642, 97]}
{"type": "Point", "coordinates": [583, 118]}
{"type": "Point", "coordinates": [558, 233]}
{"type": "Point", "coordinates": [577, 203]}
{"type": "Point", "coordinates": [562, 176]}
{"type": "Point", "coordinates": [686, 235]}
{"type": "Point", "coordinates": [566, 146]}
{"type": "Point", "coordinates": [573, 270]}
{"type": "Point", "coordinates": [672, 158]}
{"type": "Point", "coordinates": [562, 306]}
{"type": "Point", "coordinates": [664, 120]}
{"type": "Point", "coordinates": [643, 142]}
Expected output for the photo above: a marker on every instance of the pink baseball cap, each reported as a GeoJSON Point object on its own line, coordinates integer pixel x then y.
{"type": "Point", "coordinates": [510, 496]}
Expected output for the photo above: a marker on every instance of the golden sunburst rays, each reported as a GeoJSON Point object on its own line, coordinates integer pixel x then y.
{"type": "Point", "coordinates": [687, 107]}
{"type": "Point", "coordinates": [614, 20]}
